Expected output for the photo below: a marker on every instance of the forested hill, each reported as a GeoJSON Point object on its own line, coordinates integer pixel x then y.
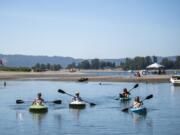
{"type": "Point", "coordinates": [29, 61]}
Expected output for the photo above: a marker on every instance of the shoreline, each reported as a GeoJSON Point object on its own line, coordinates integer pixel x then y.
{"type": "Point", "coordinates": [75, 76]}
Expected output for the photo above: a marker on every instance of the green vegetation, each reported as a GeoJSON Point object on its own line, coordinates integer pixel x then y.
{"type": "Point", "coordinates": [17, 69]}
{"type": "Point", "coordinates": [72, 65]}
{"type": "Point", "coordinates": [171, 64]}
{"type": "Point", "coordinates": [139, 63]}
{"type": "Point", "coordinates": [136, 63]}
{"type": "Point", "coordinates": [46, 67]}
{"type": "Point", "coordinates": [93, 64]}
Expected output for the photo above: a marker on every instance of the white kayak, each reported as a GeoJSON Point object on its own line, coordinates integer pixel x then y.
{"type": "Point", "coordinates": [77, 105]}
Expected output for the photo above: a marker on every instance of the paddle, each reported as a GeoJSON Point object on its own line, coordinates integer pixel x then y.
{"type": "Point", "coordinates": [19, 101]}
{"type": "Point", "coordinates": [148, 97]}
{"type": "Point", "coordinates": [135, 86]}
{"type": "Point", "coordinates": [63, 92]}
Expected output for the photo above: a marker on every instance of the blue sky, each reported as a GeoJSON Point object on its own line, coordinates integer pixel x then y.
{"type": "Point", "coordinates": [90, 28]}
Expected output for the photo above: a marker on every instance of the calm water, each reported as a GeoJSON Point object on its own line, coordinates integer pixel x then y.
{"type": "Point", "coordinates": [106, 118]}
{"type": "Point", "coordinates": [123, 73]}
{"type": "Point", "coordinates": [109, 73]}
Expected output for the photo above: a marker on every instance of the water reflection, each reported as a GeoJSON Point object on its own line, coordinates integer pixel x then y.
{"type": "Point", "coordinates": [125, 103]}
{"type": "Point", "coordinates": [58, 118]}
{"type": "Point", "coordinates": [38, 117]}
{"type": "Point", "coordinates": [105, 118]}
{"type": "Point", "coordinates": [174, 88]}
{"type": "Point", "coordinates": [76, 113]}
{"type": "Point", "coordinates": [142, 122]}
{"type": "Point", "coordinates": [137, 118]}
{"type": "Point", "coordinates": [19, 116]}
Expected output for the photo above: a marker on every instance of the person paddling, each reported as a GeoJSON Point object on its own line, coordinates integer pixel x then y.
{"type": "Point", "coordinates": [77, 97]}
{"type": "Point", "coordinates": [137, 102]}
{"type": "Point", "coordinates": [125, 94]}
{"type": "Point", "coordinates": [39, 100]}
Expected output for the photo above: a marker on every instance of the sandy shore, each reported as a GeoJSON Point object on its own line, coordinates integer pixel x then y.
{"type": "Point", "coordinates": [67, 76]}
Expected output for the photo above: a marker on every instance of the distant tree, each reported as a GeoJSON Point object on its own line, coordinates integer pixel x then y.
{"type": "Point", "coordinates": [114, 65]}
{"type": "Point", "coordinates": [17, 69]}
{"type": "Point", "coordinates": [102, 64]}
{"type": "Point", "coordinates": [42, 67]}
{"type": "Point", "coordinates": [48, 66]}
{"type": "Point", "coordinates": [72, 65]}
{"type": "Point", "coordinates": [154, 59]}
{"type": "Point", "coordinates": [136, 64]}
{"type": "Point", "coordinates": [57, 67]}
{"type": "Point", "coordinates": [139, 63]}
{"type": "Point", "coordinates": [37, 67]}
{"type": "Point", "coordinates": [177, 63]}
{"type": "Point", "coordinates": [167, 63]}
{"type": "Point", "coordinates": [127, 64]}
{"type": "Point", "coordinates": [109, 64]}
{"type": "Point", "coordinates": [95, 64]}
{"type": "Point", "coordinates": [1, 62]}
{"type": "Point", "coordinates": [84, 65]}
{"type": "Point", "coordinates": [148, 60]}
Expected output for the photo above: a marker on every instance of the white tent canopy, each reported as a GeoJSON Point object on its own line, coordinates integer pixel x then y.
{"type": "Point", "coordinates": [155, 66]}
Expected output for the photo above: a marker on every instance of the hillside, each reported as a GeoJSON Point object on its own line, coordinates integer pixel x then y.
{"type": "Point", "coordinates": [29, 61]}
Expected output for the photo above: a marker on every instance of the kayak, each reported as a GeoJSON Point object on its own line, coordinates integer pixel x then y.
{"type": "Point", "coordinates": [38, 108]}
{"type": "Point", "coordinates": [139, 110]}
{"type": "Point", "coordinates": [125, 98]}
{"type": "Point", "coordinates": [83, 80]}
{"type": "Point", "coordinates": [77, 105]}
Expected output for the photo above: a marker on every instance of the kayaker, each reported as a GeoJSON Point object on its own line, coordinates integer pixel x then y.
{"type": "Point", "coordinates": [137, 102]}
{"type": "Point", "coordinates": [125, 94]}
{"type": "Point", "coordinates": [77, 97]}
{"type": "Point", "coordinates": [39, 100]}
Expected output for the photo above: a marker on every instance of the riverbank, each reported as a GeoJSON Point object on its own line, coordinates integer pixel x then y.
{"type": "Point", "coordinates": [75, 76]}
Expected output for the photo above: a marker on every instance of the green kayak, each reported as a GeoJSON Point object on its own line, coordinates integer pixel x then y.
{"type": "Point", "coordinates": [38, 108]}
{"type": "Point", "coordinates": [125, 98]}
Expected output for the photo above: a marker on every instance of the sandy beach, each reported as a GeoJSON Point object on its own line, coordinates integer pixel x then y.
{"type": "Point", "coordinates": [68, 76]}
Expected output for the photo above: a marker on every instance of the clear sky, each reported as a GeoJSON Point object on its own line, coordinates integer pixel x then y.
{"type": "Point", "coordinates": [90, 28]}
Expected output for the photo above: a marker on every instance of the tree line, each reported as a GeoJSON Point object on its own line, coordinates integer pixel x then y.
{"type": "Point", "coordinates": [139, 63]}
{"type": "Point", "coordinates": [46, 67]}
{"type": "Point", "coordinates": [169, 64]}
{"type": "Point", "coordinates": [92, 64]}
{"type": "Point", "coordinates": [17, 69]}
{"type": "Point", "coordinates": [136, 63]}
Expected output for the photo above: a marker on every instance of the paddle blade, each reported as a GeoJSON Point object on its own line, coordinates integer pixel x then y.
{"type": "Point", "coordinates": [135, 86]}
{"type": "Point", "coordinates": [149, 97]}
{"type": "Point", "coordinates": [121, 95]}
{"type": "Point", "coordinates": [125, 110]}
{"type": "Point", "coordinates": [92, 104]}
{"type": "Point", "coordinates": [61, 91]}
{"type": "Point", "coordinates": [57, 101]}
{"type": "Point", "coordinates": [19, 101]}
